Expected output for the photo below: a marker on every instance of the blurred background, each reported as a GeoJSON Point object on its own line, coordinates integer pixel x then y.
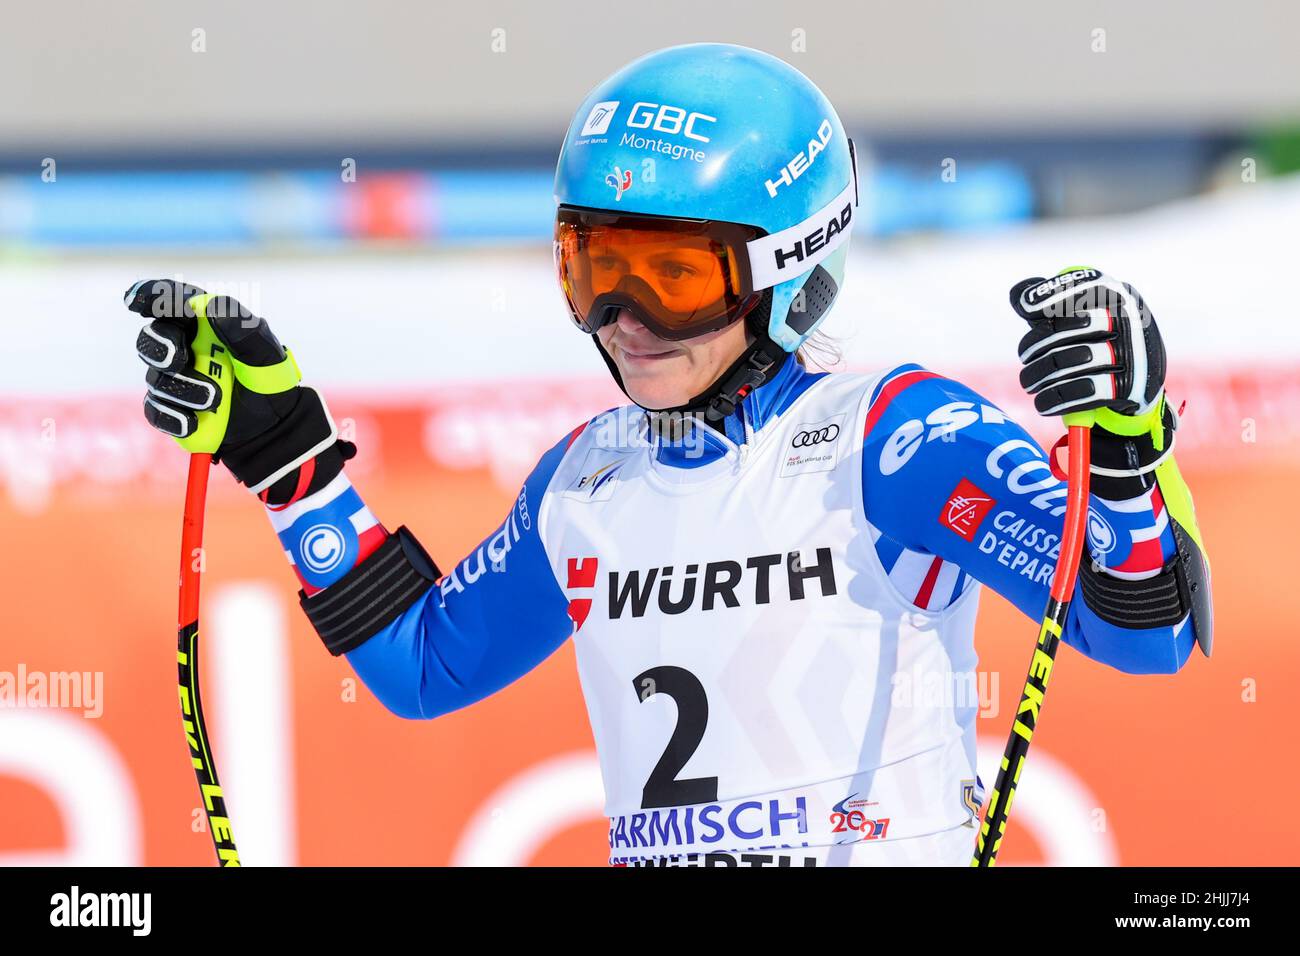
{"type": "Point", "coordinates": [376, 179]}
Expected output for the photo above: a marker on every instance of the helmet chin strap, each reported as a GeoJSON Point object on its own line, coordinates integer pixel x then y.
{"type": "Point", "coordinates": [755, 366]}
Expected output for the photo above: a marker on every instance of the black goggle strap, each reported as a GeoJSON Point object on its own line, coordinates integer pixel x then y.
{"type": "Point", "coordinates": [790, 253]}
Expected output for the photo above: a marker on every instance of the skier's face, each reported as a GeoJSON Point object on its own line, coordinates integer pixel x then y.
{"type": "Point", "coordinates": [658, 373]}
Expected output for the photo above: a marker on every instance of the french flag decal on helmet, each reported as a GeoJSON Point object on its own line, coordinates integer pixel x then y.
{"type": "Point", "coordinates": [620, 180]}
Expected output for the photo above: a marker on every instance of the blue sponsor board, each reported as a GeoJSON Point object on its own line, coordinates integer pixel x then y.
{"type": "Point", "coordinates": [456, 206]}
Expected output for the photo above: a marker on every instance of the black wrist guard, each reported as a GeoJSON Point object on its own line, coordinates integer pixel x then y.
{"type": "Point", "coordinates": [372, 595]}
{"type": "Point", "coordinates": [1152, 602]}
{"type": "Point", "coordinates": [1182, 587]}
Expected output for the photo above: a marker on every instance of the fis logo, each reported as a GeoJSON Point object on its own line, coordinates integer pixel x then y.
{"type": "Point", "coordinates": [598, 120]}
{"type": "Point", "coordinates": [597, 479]}
{"type": "Point", "coordinates": [620, 180]}
{"type": "Point", "coordinates": [592, 483]}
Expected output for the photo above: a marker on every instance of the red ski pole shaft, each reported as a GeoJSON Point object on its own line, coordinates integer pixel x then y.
{"type": "Point", "coordinates": [187, 660]}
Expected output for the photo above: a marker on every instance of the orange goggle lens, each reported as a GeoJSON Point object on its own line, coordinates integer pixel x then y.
{"type": "Point", "coordinates": [680, 277]}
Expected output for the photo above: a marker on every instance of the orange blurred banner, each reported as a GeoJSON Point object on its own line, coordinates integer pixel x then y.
{"type": "Point", "coordinates": [1179, 770]}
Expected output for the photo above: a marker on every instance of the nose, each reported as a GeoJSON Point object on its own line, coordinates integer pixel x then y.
{"type": "Point", "coordinates": [629, 323]}
{"type": "Point", "coordinates": [633, 330]}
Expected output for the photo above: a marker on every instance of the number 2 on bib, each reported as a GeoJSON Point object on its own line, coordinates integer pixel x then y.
{"type": "Point", "coordinates": [663, 789]}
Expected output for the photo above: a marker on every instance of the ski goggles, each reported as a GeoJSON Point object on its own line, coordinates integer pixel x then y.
{"type": "Point", "coordinates": [683, 277]}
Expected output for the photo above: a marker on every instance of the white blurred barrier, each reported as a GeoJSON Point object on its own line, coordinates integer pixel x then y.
{"type": "Point", "coordinates": [1216, 271]}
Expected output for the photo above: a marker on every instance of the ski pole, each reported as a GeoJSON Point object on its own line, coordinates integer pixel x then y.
{"type": "Point", "coordinates": [187, 660]}
{"type": "Point", "coordinates": [990, 836]}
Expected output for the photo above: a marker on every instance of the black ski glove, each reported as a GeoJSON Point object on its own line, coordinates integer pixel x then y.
{"type": "Point", "coordinates": [1092, 343]}
{"type": "Point", "coordinates": [219, 381]}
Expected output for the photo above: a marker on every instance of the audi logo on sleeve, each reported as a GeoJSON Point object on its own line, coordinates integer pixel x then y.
{"type": "Point", "coordinates": [813, 446]}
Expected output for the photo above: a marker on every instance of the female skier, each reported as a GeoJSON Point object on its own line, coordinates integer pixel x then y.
{"type": "Point", "coordinates": [751, 557]}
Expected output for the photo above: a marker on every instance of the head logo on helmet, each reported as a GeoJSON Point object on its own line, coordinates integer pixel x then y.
{"type": "Point", "coordinates": [802, 160]}
{"type": "Point", "coordinates": [735, 146]}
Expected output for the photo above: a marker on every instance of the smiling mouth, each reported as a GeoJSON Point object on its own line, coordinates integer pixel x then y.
{"type": "Point", "coordinates": [645, 356]}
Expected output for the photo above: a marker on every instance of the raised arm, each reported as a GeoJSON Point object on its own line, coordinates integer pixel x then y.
{"type": "Point", "coordinates": [947, 474]}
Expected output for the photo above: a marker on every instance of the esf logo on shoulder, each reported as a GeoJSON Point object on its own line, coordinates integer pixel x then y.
{"type": "Point", "coordinates": [940, 424]}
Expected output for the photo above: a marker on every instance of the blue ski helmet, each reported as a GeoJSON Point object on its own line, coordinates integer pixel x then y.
{"type": "Point", "coordinates": [710, 136]}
